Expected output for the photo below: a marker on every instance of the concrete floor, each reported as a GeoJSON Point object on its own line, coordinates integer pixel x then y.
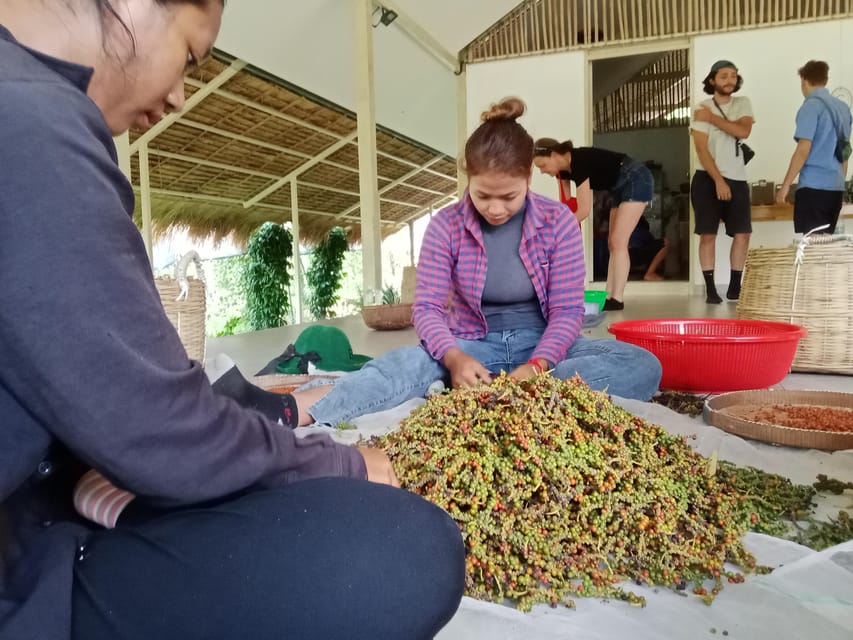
{"type": "Point", "coordinates": [252, 351]}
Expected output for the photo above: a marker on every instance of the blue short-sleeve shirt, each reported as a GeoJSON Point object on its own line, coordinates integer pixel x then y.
{"type": "Point", "coordinates": [815, 122]}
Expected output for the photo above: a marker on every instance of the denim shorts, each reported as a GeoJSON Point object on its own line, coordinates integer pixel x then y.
{"type": "Point", "coordinates": [634, 184]}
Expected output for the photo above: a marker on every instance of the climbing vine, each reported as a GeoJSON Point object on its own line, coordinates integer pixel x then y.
{"type": "Point", "coordinates": [266, 276]}
{"type": "Point", "coordinates": [325, 273]}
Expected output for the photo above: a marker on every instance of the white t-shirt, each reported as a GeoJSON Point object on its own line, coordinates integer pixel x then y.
{"type": "Point", "coordinates": [721, 144]}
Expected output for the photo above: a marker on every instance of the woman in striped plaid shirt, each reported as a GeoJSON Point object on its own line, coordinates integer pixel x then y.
{"type": "Point", "coordinates": [510, 263]}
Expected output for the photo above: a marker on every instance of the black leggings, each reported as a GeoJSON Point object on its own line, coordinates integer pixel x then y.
{"type": "Point", "coordinates": [328, 558]}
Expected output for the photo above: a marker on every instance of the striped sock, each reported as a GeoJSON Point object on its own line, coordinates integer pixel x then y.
{"type": "Point", "coordinates": [98, 500]}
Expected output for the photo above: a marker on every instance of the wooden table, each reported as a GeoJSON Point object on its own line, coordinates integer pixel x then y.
{"type": "Point", "coordinates": [782, 212]}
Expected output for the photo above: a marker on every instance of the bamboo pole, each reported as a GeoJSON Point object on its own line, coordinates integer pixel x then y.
{"type": "Point", "coordinates": [516, 30]}
{"type": "Point", "coordinates": [549, 25]}
{"type": "Point", "coordinates": [573, 24]}
{"type": "Point", "coordinates": [651, 17]}
{"type": "Point", "coordinates": [594, 37]}
{"type": "Point", "coordinates": [537, 25]}
{"type": "Point", "coordinates": [620, 7]}
{"type": "Point", "coordinates": [633, 19]}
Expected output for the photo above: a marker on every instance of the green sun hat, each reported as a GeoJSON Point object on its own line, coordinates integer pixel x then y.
{"type": "Point", "coordinates": [327, 347]}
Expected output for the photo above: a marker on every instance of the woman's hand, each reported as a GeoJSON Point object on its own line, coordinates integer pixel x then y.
{"type": "Point", "coordinates": [465, 371]}
{"type": "Point", "coordinates": [379, 467]}
{"type": "Point", "coordinates": [526, 370]}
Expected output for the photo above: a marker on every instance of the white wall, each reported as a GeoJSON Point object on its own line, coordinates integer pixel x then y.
{"type": "Point", "coordinates": [551, 85]}
{"type": "Point", "coordinates": [768, 60]}
{"type": "Point", "coordinates": [311, 45]}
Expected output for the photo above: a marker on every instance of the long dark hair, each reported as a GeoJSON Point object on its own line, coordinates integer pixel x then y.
{"type": "Point", "coordinates": [500, 144]}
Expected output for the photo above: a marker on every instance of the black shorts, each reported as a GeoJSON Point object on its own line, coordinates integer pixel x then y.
{"type": "Point", "coordinates": [709, 211]}
{"type": "Point", "coordinates": [816, 207]}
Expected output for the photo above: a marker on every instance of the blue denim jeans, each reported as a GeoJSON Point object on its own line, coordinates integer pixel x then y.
{"type": "Point", "coordinates": [405, 373]}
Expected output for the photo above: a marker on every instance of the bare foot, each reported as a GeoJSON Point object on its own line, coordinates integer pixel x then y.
{"type": "Point", "coordinates": [655, 277]}
{"type": "Point", "coordinates": [305, 399]}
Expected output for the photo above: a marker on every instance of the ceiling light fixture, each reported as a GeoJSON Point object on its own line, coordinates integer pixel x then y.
{"type": "Point", "coordinates": [388, 16]}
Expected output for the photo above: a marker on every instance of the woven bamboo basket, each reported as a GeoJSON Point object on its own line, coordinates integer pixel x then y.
{"type": "Point", "coordinates": [717, 413]}
{"type": "Point", "coordinates": [184, 302]}
{"type": "Point", "coordinates": [387, 316]}
{"type": "Point", "coordinates": [283, 382]}
{"type": "Point", "coordinates": [810, 285]}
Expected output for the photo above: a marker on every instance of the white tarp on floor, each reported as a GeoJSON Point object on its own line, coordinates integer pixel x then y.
{"type": "Point", "coordinates": [808, 595]}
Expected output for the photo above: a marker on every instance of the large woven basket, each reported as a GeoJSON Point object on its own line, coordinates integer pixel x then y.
{"type": "Point", "coordinates": [183, 301]}
{"type": "Point", "coordinates": [811, 285]}
{"type": "Point", "coordinates": [387, 316]}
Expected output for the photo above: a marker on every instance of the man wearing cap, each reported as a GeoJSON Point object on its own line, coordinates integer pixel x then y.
{"type": "Point", "coordinates": [822, 121]}
{"type": "Point", "coordinates": [719, 190]}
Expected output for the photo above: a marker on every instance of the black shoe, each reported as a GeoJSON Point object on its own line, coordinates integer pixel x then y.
{"type": "Point", "coordinates": [611, 304]}
{"type": "Point", "coordinates": [733, 294]}
{"type": "Point", "coordinates": [713, 297]}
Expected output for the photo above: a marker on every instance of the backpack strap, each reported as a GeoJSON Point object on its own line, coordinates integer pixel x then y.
{"type": "Point", "coordinates": [836, 125]}
{"type": "Point", "coordinates": [737, 140]}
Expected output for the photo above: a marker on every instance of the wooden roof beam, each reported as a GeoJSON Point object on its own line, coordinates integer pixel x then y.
{"type": "Point", "coordinates": [424, 210]}
{"type": "Point", "coordinates": [234, 201]}
{"type": "Point", "coordinates": [278, 184]}
{"type": "Point", "coordinates": [301, 123]}
{"type": "Point", "coordinates": [210, 163]}
{"type": "Point", "coordinates": [399, 181]}
{"type": "Point", "coordinates": [297, 154]}
{"type": "Point", "coordinates": [252, 104]}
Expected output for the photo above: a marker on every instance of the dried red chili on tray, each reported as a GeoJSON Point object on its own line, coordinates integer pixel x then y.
{"type": "Point", "coordinates": [799, 416]}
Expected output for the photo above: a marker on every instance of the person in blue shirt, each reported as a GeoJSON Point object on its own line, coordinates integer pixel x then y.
{"type": "Point", "coordinates": [822, 121]}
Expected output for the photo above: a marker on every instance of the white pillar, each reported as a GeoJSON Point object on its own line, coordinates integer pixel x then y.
{"type": "Point", "coordinates": [461, 128]}
{"type": "Point", "coordinates": [145, 201]}
{"type": "Point", "coordinates": [371, 236]}
{"type": "Point", "coordinates": [122, 142]}
{"type": "Point", "coordinates": [412, 243]}
{"type": "Point", "coordinates": [297, 259]}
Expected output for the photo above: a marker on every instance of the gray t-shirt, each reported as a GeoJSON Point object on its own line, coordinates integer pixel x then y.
{"type": "Point", "coordinates": [509, 300]}
{"type": "Point", "coordinates": [720, 144]}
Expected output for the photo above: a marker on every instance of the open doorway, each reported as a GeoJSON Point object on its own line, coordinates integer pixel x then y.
{"type": "Point", "coordinates": [641, 107]}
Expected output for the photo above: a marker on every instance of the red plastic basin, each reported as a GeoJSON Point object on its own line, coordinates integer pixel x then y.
{"type": "Point", "coordinates": [704, 355]}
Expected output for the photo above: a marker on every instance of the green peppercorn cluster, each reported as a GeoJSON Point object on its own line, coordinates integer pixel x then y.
{"type": "Point", "coordinates": [778, 503]}
{"type": "Point", "coordinates": [560, 493]}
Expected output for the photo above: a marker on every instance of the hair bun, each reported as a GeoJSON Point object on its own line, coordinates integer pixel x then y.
{"type": "Point", "coordinates": [507, 109]}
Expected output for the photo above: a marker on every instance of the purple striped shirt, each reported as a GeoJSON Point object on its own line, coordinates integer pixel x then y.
{"type": "Point", "coordinates": [452, 267]}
